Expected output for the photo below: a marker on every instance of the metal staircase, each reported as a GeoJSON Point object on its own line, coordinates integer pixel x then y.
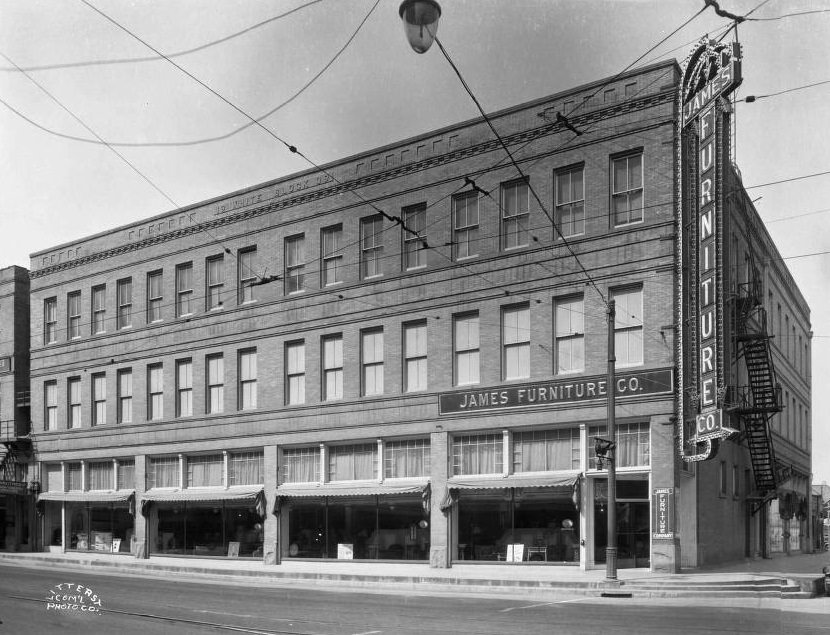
{"type": "Point", "coordinates": [756, 403]}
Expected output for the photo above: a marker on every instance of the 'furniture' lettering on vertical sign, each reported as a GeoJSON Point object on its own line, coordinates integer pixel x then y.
{"type": "Point", "coordinates": [662, 511]}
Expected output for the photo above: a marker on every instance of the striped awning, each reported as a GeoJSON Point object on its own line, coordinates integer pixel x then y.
{"type": "Point", "coordinates": [204, 494]}
{"type": "Point", "coordinates": [292, 490]}
{"type": "Point", "coordinates": [561, 479]}
{"type": "Point", "coordinates": [97, 496]}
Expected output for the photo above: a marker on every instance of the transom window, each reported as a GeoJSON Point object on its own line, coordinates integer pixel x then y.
{"type": "Point", "coordinates": [570, 202]}
{"type": "Point", "coordinates": [301, 465]}
{"type": "Point", "coordinates": [353, 462]}
{"type": "Point", "coordinates": [246, 468]}
{"type": "Point", "coordinates": [515, 214]}
{"type": "Point", "coordinates": [477, 454]}
{"type": "Point", "coordinates": [100, 475]}
{"type": "Point", "coordinates": [74, 477]}
{"type": "Point", "coordinates": [465, 225]}
{"type": "Point", "coordinates": [163, 471]}
{"type": "Point", "coordinates": [205, 471]}
{"type": "Point", "coordinates": [627, 189]}
{"type": "Point", "coordinates": [633, 445]}
{"type": "Point", "coordinates": [405, 459]}
{"type": "Point", "coordinates": [546, 450]}
{"type": "Point", "coordinates": [126, 474]}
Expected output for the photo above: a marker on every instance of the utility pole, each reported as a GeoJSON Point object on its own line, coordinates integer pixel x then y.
{"type": "Point", "coordinates": [611, 546]}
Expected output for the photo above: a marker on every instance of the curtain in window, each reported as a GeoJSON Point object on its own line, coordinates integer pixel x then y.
{"type": "Point", "coordinates": [73, 474]}
{"type": "Point", "coordinates": [246, 468]}
{"type": "Point", "coordinates": [164, 472]}
{"type": "Point", "coordinates": [302, 466]}
{"type": "Point", "coordinates": [126, 474]}
{"type": "Point", "coordinates": [205, 471]}
{"type": "Point", "coordinates": [100, 476]}
{"type": "Point", "coordinates": [355, 462]}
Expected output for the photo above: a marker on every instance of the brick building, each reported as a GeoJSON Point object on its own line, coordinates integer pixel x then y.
{"type": "Point", "coordinates": [394, 357]}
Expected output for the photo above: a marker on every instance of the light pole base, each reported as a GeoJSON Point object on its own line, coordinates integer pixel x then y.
{"type": "Point", "coordinates": [610, 563]}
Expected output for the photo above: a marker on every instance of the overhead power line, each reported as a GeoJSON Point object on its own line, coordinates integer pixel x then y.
{"type": "Point", "coordinates": [794, 178]}
{"type": "Point", "coordinates": [751, 98]}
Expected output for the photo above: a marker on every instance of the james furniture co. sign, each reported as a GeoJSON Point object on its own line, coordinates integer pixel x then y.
{"type": "Point", "coordinates": [547, 393]}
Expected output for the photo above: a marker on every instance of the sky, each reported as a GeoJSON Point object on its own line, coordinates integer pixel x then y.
{"type": "Point", "coordinates": [376, 91]}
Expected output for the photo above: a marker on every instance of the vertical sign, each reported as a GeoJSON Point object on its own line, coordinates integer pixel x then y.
{"type": "Point", "coordinates": [662, 511]}
{"type": "Point", "coordinates": [713, 70]}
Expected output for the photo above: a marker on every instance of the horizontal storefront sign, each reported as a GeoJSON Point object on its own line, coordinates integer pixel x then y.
{"type": "Point", "coordinates": [547, 393]}
{"type": "Point", "coordinates": [12, 487]}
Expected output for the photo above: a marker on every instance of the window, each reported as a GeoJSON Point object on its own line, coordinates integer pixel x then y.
{"type": "Point", "coordinates": [301, 465]}
{"type": "Point", "coordinates": [465, 341]}
{"type": "Point", "coordinates": [406, 459]}
{"type": "Point", "coordinates": [74, 477]}
{"type": "Point", "coordinates": [633, 446]}
{"type": "Point", "coordinates": [154, 296]}
{"type": "Point", "coordinates": [722, 478]}
{"type": "Point", "coordinates": [215, 281]}
{"type": "Point", "coordinates": [50, 402]}
{"type": "Point", "coordinates": [569, 333]}
{"type": "Point", "coordinates": [155, 392]}
{"type": "Point", "coordinates": [73, 315]}
{"type": "Point", "coordinates": [99, 399]}
{"type": "Point", "coordinates": [184, 289]}
{"type": "Point", "coordinates": [100, 475]}
{"type": "Point", "coordinates": [50, 320]}
{"type": "Point", "coordinates": [516, 342]}
{"type": "Point", "coordinates": [414, 244]}
{"type": "Point", "coordinates": [353, 462]}
{"type": "Point", "coordinates": [514, 208]}
{"type": "Point", "coordinates": [332, 257]}
{"type": "Point", "coordinates": [628, 326]}
{"type": "Point", "coordinates": [246, 274]}
{"type": "Point", "coordinates": [477, 454]}
{"type": "Point", "coordinates": [570, 201]}
{"type": "Point", "coordinates": [215, 384]}
{"type": "Point", "coordinates": [184, 388]}
{"type": "Point", "coordinates": [295, 373]}
{"type": "Point", "coordinates": [630, 89]}
{"type": "Point", "coordinates": [126, 474]}
{"type": "Point", "coordinates": [99, 309]}
{"type": "Point", "coordinates": [371, 361]}
{"type": "Point", "coordinates": [332, 367]}
{"type": "Point", "coordinates": [371, 246]}
{"type": "Point", "coordinates": [247, 380]}
{"type": "Point", "coordinates": [294, 264]}
{"type": "Point", "coordinates": [205, 471]}
{"type": "Point", "coordinates": [163, 472]}
{"type": "Point", "coordinates": [124, 301]}
{"type": "Point", "coordinates": [415, 356]}
{"type": "Point", "coordinates": [627, 189]}
{"type": "Point", "coordinates": [125, 396]}
{"type": "Point", "coordinates": [465, 225]}
{"type": "Point", "coordinates": [736, 482]}
{"type": "Point", "coordinates": [546, 450]}
{"type": "Point", "coordinates": [73, 390]}
{"type": "Point", "coordinates": [246, 468]}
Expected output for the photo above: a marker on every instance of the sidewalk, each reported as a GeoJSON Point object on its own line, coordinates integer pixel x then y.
{"type": "Point", "coordinates": [751, 578]}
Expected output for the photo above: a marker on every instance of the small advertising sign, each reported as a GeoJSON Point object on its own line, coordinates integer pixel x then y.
{"type": "Point", "coordinates": [515, 553]}
{"type": "Point", "coordinates": [345, 551]}
{"type": "Point", "coordinates": [5, 365]}
{"type": "Point", "coordinates": [662, 511]}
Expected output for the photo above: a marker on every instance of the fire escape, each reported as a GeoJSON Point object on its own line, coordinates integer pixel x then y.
{"type": "Point", "coordinates": [758, 402]}
{"type": "Point", "coordinates": [16, 449]}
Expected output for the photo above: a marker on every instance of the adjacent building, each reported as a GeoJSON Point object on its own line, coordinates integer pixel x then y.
{"type": "Point", "coordinates": [403, 354]}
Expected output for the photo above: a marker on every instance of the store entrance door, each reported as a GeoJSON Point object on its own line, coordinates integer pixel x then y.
{"type": "Point", "coordinates": [633, 523]}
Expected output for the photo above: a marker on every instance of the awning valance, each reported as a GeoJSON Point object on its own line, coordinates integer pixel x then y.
{"type": "Point", "coordinates": [96, 496]}
{"type": "Point", "coordinates": [203, 494]}
{"type": "Point", "coordinates": [293, 490]}
{"type": "Point", "coordinates": [562, 479]}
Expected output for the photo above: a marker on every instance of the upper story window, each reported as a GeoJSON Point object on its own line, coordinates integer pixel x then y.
{"type": "Point", "coordinates": [99, 399]}
{"type": "Point", "coordinates": [371, 246]}
{"type": "Point", "coordinates": [124, 302]}
{"type": "Point", "coordinates": [50, 320]}
{"type": "Point", "coordinates": [332, 367]}
{"type": "Point", "coordinates": [570, 201]}
{"type": "Point", "coordinates": [295, 373]}
{"type": "Point", "coordinates": [371, 361]}
{"type": "Point", "coordinates": [627, 189]}
{"type": "Point", "coordinates": [465, 224]}
{"type": "Point", "coordinates": [466, 349]}
{"type": "Point", "coordinates": [246, 274]}
{"type": "Point", "coordinates": [569, 333]}
{"type": "Point", "coordinates": [406, 459]}
{"type": "Point", "coordinates": [184, 388]}
{"type": "Point", "coordinates": [163, 471]}
{"type": "Point", "coordinates": [546, 450]}
{"type": "Point", "coordinates": [154, 296]}
{"type": "Point", "coordinates": [155, 392]}
{"type": "Point", "coordinates": [514, 214]}
{"type": "Point", "coordinates": [215, 384]}
{"type": "Point", "coordinates": [73, 390]}
{"type": "Point", "coordinates": [516, 342]}
{"type": "Point", "coordinates": [301, 465]}
{"type": "Point", "coordinates": [215, 282]}
{"type": "Point", "coordinates": [477, 454]}
{"type": "Point", "coordinates": [414, 236]}
{"type": "Point", "coordinates": [628, 326]}
{"type": "Point", "coordinates": [294, 263]}
{"type": "Point", "coordinates": [331, 255]}
{"type": "Point", "coordinates": [353, 462]}
{"type": "Point", "coordinates": [125, 395]}
{"type": "Point", "coordinates": [99, 309]}
{"type": "Point", "coordinates": [73, 315]}
{"type": "Point", "coordinates": [184, 289]}
{"type": "Point", "coordinates": [50, 404]}
{"type": "Point", "coordinates": [247, 380]}
{"type": "Point", "coordinates": [415, 356]}
{"type": "Point", "coordinates": [205, 471]}
{"type": "Point", "coordinates": [246, 468]}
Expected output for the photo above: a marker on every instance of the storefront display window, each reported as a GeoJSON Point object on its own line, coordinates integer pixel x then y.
{"type": "Point", "coordinates": [208, 529]}
{"type": "Point", "coordinates": [105, 527]}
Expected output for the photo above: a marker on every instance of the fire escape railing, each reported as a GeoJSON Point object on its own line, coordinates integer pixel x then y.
{"type": "Point", "coordinates": [758, 402]}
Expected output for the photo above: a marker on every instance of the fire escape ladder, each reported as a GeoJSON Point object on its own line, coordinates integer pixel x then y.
{"type": "Point", "coordinates": [761, 399]}
{"type": "Point", "coordinates": [14, 455]}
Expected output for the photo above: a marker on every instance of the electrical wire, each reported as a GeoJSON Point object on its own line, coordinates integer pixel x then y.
{"type": "Point", "coordinates": [752, 98]}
